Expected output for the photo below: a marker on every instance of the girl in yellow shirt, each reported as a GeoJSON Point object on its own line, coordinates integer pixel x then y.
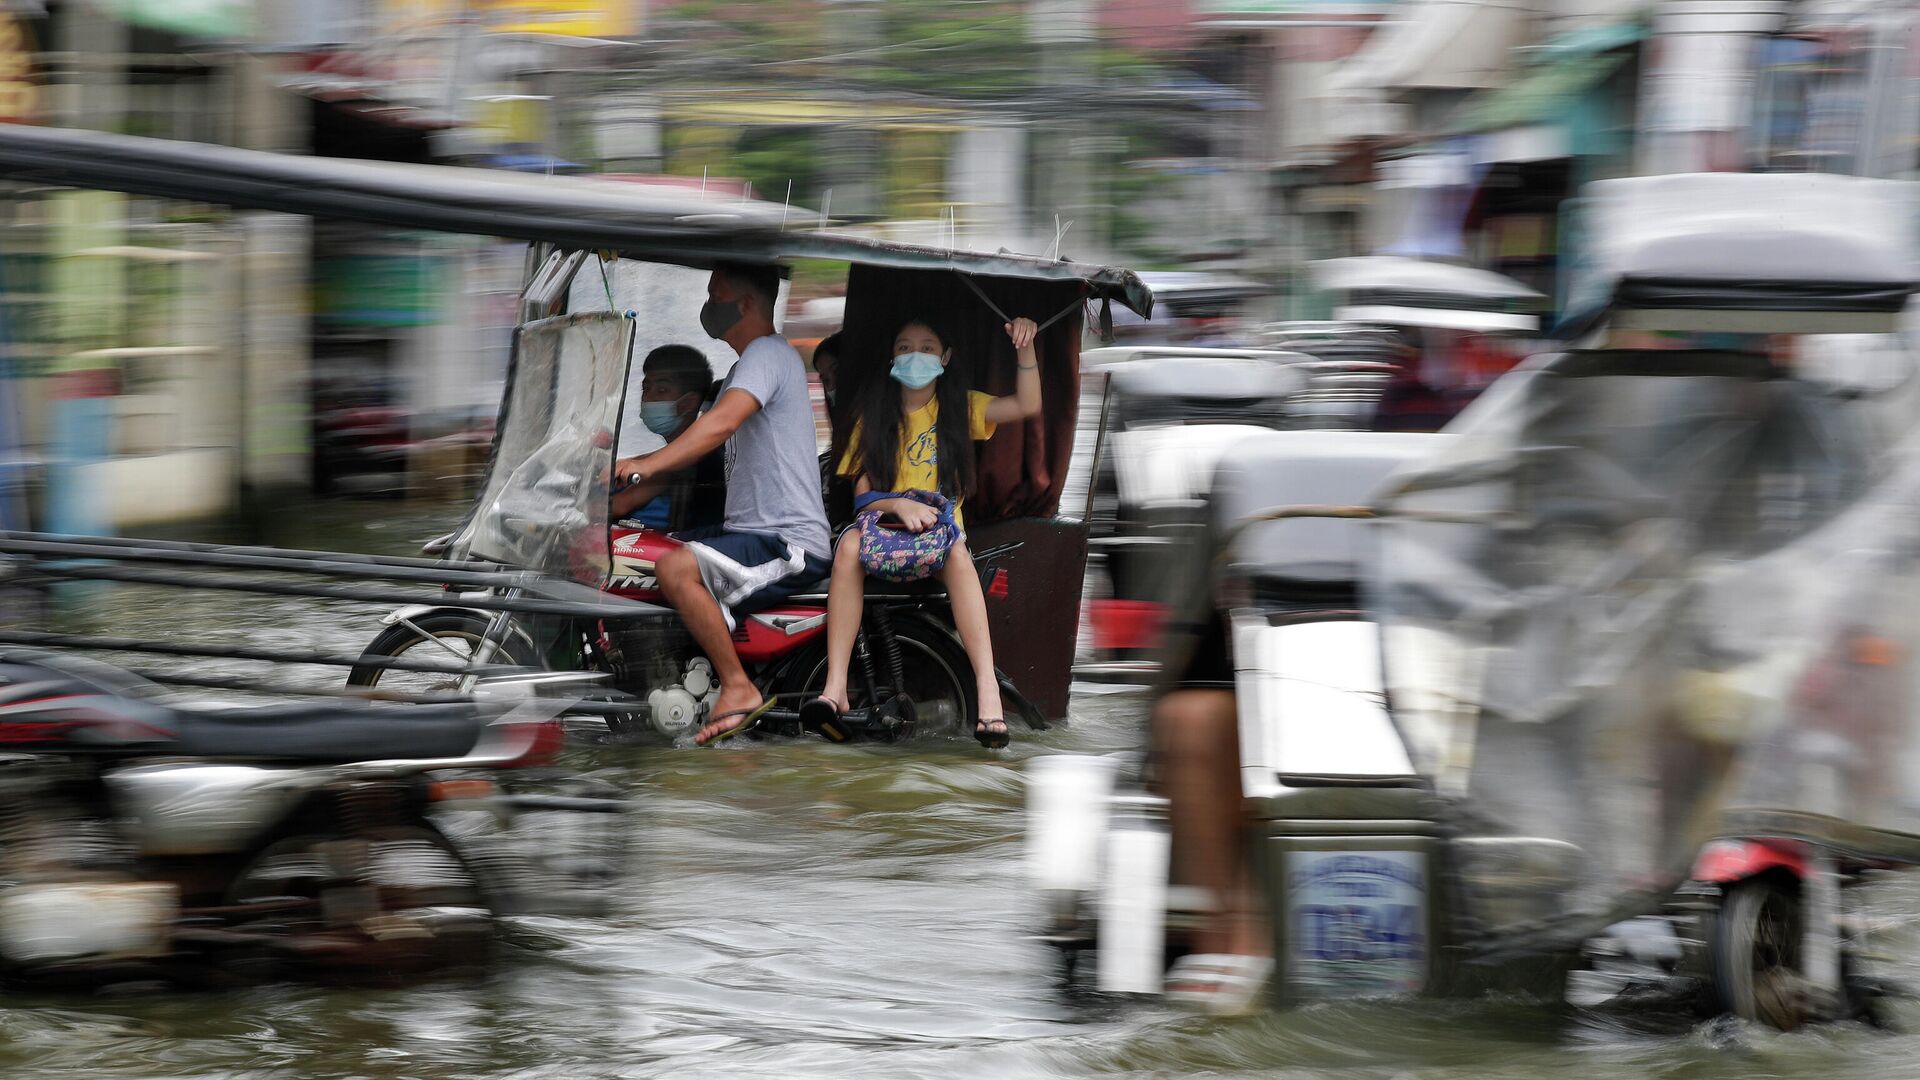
{"type": "Point", "coordinates": [915, 432]}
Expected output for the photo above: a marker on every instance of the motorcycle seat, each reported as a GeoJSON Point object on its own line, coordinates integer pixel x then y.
{"type": "Point", "coordinates": [327, 733]}
{"type": "Point", "coordinates": [69, 705]}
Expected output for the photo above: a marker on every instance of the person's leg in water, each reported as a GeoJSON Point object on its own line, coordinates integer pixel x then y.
{"type": "Point", "coordinates": [970, 618]}
{"type": "Point", "coordinates": [679, 574]}
{"type": "Point", "coordinates": [846, 597]}
{"type": "Point", "coordinates": [1196, 733]}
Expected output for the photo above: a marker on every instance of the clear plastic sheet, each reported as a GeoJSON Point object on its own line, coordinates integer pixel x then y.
{"type": "Point", "coordinates": [1612, 609]}
{"type": "Point", "coordinates": [545, 504]}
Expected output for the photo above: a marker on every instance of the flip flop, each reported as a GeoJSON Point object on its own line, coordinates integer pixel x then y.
{"type": "Point", "coordinates": [1218, 983]}
{"type": "Point", "coordinates": [752, 721]}
{"type": "Point", "coordinates": [989, 738]}
{"type": "Point", "coordinates": [819, 714]}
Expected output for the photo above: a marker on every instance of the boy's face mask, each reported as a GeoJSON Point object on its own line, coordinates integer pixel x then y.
{"type": "Point", "coordinates": [916, 370]}
{"type": "Point", "coordinates": [662, 417]}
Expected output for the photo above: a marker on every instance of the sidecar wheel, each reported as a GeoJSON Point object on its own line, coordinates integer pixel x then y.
{"type": "Point", "coordinates": [404, 903]}
{"type": "Point", "coordinates": [1754, 946]}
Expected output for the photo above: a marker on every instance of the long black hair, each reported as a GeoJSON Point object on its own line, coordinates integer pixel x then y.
{"type": "Point", "coordinates": [882, 422]}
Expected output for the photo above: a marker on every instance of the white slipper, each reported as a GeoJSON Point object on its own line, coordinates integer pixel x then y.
{"type": "Point", "coordinates": [1218, 983]}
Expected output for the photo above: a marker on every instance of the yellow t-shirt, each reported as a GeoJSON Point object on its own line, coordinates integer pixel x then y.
{"type": "Point", "coordinates": [919, 466]}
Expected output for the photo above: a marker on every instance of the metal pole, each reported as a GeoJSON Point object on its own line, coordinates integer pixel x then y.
{"type": "Point", "coordinates": [449, 574]}
{"type": "Point", "coordinates": [141, 543]}
{"type": "Point", "coordinates": [611, 608]}
{"type": "Point", "coordinates": [101, 643]}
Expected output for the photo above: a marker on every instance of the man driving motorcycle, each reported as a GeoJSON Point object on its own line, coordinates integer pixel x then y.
{"type": "Point", "coordinates": [773, 541]}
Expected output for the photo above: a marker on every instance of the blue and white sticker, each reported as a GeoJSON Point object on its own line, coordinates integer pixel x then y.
{"type": "Point", "coordinates": [1357, 922]}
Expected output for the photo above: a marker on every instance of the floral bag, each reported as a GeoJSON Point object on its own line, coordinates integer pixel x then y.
{"type": "Point", "coordinates": [890, 551]}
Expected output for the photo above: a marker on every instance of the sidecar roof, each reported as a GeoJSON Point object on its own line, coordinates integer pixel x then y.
{"type": "Point", "coordinates": [652, 224]}
{"type": "Point", "coordinates": [1745, 253]}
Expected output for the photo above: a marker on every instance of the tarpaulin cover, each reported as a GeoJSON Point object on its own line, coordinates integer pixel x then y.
{"type": "Point", "coordinates": [1642, 590]}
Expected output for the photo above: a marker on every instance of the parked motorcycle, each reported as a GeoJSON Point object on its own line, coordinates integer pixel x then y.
{"type": "Point", "coordinates": [145, 841]}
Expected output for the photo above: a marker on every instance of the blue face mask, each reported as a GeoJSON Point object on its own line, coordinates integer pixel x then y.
{"type": "Point", "coordinates": [660, 417]}
{"type": "Point", "coordinates": [916, 370]}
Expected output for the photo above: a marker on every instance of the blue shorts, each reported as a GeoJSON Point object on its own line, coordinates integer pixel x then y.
{"type": "Point", "coordinates": [751, 571]}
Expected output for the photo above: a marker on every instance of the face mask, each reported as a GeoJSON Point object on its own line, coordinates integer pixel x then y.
{"type": "Point", "coordinates": [719, 316]}
{"type": "Point", "coordinates": [661, 417]}
{"type": "Point", "coordinates": [915, 370]}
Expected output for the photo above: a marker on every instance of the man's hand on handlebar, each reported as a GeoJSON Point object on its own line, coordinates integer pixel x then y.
{"type": "Point", "coordinates": [629, 471]}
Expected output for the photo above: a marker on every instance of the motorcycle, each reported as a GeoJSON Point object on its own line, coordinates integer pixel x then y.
{"type": "Point", "coordinates": [910, 672]}
{"type": "Point", "coordinates": [545, 509]}
{"type": "Point", "coordinates": [143, 841]}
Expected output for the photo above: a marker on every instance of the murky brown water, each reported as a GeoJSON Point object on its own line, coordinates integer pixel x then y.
{"type": "Point", "coordinates": [802, 910]}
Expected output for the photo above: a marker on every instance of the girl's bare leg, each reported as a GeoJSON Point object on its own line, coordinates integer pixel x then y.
{"type": "Point", "coordinates": [846, 596]}
{"type": "Point", "coordinates": [970, 617]}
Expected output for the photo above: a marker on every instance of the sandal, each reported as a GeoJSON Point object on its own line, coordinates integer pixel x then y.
{"type": "Point", "coordinates": [989, 738]}
{"type": "Point", "coordinates": [819, 714]}
{"type": "Point", "coordinates": [752, 721]}
{"type": "Point", "coordinates": [1218, 983]}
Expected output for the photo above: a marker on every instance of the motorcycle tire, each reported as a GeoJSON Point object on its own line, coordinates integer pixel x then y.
{"type": "Point", "coordinates": [428, 909]}
{"type": "Point", "coordinates": [466, 627]}
{"type": "Point", "coordinates": [1754, 944]}
{"type": "Point", "coordinates": [939, 678]}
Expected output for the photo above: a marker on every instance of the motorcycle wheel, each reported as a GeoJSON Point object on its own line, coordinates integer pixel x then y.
{"type": "Point", "coordinates": [390, 903]}
{"type": "Point", "coordinates": [443, 635]}
{"type": "Point", "coordinates": [939, 680]}
{"type": "Point", "coordinates": [1754, 947]}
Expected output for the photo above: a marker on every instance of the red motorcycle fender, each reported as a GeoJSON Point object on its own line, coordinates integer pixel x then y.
{"type": "Point", "coordinates": [1723, 862]}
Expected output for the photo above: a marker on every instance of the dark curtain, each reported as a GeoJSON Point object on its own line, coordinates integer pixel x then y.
{"type": "Point", "coordinates": [1022, 468]}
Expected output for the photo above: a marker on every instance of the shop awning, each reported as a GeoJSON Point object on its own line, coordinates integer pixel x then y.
{"type": "Point", "coordinates": [1557, 77]}
{"type": "Point", "coordinates": [1439, 45]}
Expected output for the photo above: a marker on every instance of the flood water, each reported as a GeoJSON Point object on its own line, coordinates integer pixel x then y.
{"type": "Point", "coordinates": [806, 910]}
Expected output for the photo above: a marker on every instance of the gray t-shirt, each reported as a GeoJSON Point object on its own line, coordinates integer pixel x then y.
{"type": "Point", "coordinates": [773, 477]}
